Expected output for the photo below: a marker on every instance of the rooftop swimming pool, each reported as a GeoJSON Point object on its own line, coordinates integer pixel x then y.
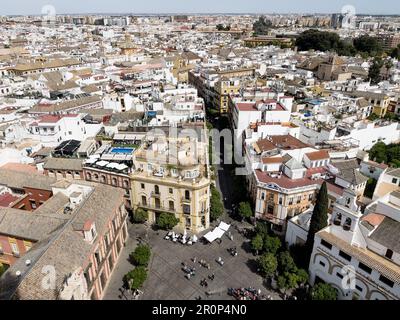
{"type": "Point", "coordinates": [122, 150]}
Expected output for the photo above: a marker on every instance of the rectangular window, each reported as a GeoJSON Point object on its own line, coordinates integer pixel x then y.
{"type": "Point", "coordinates": [322, 263]}
{"type": "Point", "coordinates": [359, 288]}
{"type": "Point", "coordinates": [142, 185]}
{"type": "Point", "coordinates": [344, 255]}
{"type": "Point", "coordinates": [365, 268]}
{"type": "Point", "coordinates": [339, 275]}
{"type": "Point", "coordinates": [386, 281]}
{"type": "Point", "coordinates": [98, 258]}
{"type": "Point", "coordinates": [171, 190]}
{"type": "Point", "coordinates": [186, 209]}
{"type": "Point", "coordinates": [326, 244]}
{"type": "Point", "coordinates": [394, 180]}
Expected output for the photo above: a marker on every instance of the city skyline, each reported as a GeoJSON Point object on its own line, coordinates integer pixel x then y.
{"type": "Point", "coordinates": [23, 7]}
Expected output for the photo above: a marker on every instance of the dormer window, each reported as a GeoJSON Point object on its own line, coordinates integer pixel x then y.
{"type": "Point", "coordinates": [89, 231]}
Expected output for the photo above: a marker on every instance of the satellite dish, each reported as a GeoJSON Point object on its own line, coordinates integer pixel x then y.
{"type": "Point", "coordinates": [263, 69]}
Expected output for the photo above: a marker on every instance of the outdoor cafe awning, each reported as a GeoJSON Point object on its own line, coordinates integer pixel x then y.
{"type": "Point", "coordinates": [217, 233]}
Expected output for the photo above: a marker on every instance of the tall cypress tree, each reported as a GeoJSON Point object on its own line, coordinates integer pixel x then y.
{"type": "Point", "coordinates": [319, 218]}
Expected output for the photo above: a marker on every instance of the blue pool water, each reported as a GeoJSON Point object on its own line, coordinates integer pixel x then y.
{"type": "Point", "coordinates": [122, 150]}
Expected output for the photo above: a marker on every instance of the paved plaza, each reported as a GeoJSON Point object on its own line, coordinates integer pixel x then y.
{"type": "Point", "coordinates": [166, 279]}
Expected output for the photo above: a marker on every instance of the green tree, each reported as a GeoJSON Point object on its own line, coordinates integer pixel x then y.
{"type": "Point", "coordinates": [216, 206]}
{"type": "Point", "coordinates": [281, 282]}
{"type": "Point", "coordinates": [135, 278]}
{"type": "Point", "coordinates": [378, 152]}
{"type": "Point", "coordinates": [368, 45]}
{"type": "Point", "coordinates": [345, 49]}
{"type": "Point", "coordinates": [140, 215]}
{"type": "Point", "coordinates": [373, 117]}
{"type": "Point", "coordinates": [286, 262]}
{"type": "Point", "coordinates": [395, 53]}
{"type": "Point", "coordinates": [257, 243]}
{"type": "Point", "coordinates": [374, 73]}
{"type": "Point", "coordinates": [166, 221]}
{"type": "Point", "coordinates": [221, 27]}
{"type": "Point", "coordinates": [323, 291]}
{"type": "Point", "coordinates": [262, 26]}
{"type": "Point", "coordinates": [272, 244]}
{"type": "Point", "coordinates": [313, 39]}
{"type": "Point", "coordinates": [267, 264]}
{"type": "Point", "coordinates": [261, 228]}
{"type": "Point", "coordinates": [292, 280]}
{"type": "Point", "coordinates": [370, 188]}
{"type": "Point", "coordinates": [2, 269]}
{"type": "Point", "coordinates": [302, 276]}
{"type": "Point", "coordinates": [319, 217]}
{"type": "Point", "coordinates": [141, 255]}
{"type": "Point", "coordinates": [245, 210]}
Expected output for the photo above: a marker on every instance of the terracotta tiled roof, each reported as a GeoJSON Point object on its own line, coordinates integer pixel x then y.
{"type": "Point", "coordinates": [318, 155]}
{"type": "Point", "coordinates": [272, 160]}
{"type": "Point", "coordinates": [373, 219]}
{"type": "Point", "coordinates": [7, 199]}
{"type": "Point", "coordinates": [20, 167]}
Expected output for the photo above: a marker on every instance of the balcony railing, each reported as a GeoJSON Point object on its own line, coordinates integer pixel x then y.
{"type": "Point", "coordinates": [156, 208]}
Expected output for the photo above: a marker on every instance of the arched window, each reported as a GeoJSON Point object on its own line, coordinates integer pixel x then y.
{"type": "Point", "coordinates": [156, 189]}
{"type": "Point", "coordinates": [88, 176]}
{"type": "Point", "coordinates": [96, 176]}
{"type": "Point", "coordinates": [171, 205]}
{"type": "Point", "coordinates": [114, 181]}
{"type": "Point", "coordinates": [103, 179]}
{"type": "Point", "coordinates": [187, 194]}
{"type": "Point", "coordinates": [347, 224]}
{"type": "Point", "coordinates": [126, 184]}
{"type": "Point", "coordinates": [338, 219]}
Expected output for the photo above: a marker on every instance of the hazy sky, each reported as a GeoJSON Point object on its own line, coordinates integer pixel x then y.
{"type": "Point", "coordinates": [199, 6]}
